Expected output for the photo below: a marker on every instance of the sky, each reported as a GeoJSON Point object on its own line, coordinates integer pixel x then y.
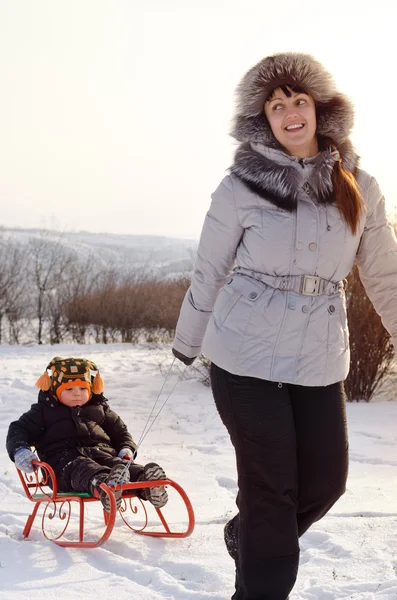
{"type": "Point", "coordinates": [115, 114]}
{"type": "Point", "coordinates": [349, 555]}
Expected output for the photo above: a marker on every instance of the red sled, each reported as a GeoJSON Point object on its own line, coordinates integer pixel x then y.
{"type": "Point", "coordinates": [42, 489]}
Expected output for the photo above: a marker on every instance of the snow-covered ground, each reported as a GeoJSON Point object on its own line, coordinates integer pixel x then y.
{"type": "Point", "coordinates": [350, 554]}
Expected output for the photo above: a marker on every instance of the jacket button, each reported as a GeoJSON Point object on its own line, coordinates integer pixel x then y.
{"type": "Point", "coordinates": [291, 305]}
{"type": "Point", "coordinates": [313, 246]}
{"type": "Point", "coordinates": [305, 309]}
{"type": "Point", "coordinates": [331, 309]}
{"type": "Point", "coordinates": [299, 246]}
{"type": "Point", "coordinates": [253, 295]}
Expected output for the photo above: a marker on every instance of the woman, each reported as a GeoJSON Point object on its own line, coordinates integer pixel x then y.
{"type": "Point", "coordinates": [292, 217]}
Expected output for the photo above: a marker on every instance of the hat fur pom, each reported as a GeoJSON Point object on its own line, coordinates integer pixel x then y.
{"type": "Point", "coordinates": [44, 382]}
{"type": "Point", "coordinates": [98, 385]}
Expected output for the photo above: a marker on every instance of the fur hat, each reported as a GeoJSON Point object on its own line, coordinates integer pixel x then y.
{"type": "Point", "coordinates": [69, 372]}
{"type": "Point", "coordinates": [334, 110]}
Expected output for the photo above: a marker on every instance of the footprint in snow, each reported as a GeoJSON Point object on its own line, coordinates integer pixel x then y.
{"type": "Point", "coordinates": [318, 542]}
{"type": "Point", "coordinates": [227, 482]}
{"type": "Point", "coordinates": [20, 385]}
{"type": "Point", "coordinates": [371, 461]}
{"type": "Point", "coordinates": [206, 449]}
{"type": "Point", "coordinates": [373, 436]}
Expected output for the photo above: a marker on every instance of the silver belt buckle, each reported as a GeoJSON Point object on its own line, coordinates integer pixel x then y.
{"type": "Point", "coordinates": [310, 285]}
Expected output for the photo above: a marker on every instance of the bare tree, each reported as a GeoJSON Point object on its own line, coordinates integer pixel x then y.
{"type": "Point", "coordinates": [78, 279]}
{"type": "Point", "coordinates": [73, 298]}
{"type": "Point", "coordinates": [91, 303]}
{"type": "Point", "coordinates": [48, 268]}
{"type": "Point", "coordinates": [13, 258]}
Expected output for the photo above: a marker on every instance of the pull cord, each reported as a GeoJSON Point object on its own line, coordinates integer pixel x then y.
{"type": "Point", "coordinates": [148, 427]}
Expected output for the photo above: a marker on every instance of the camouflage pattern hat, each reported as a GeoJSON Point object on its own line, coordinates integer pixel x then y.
{"type": "Point", "coordinates": [69, 372]}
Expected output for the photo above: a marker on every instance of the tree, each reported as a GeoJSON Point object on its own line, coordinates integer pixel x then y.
{"type": "Point", "coordinates": [48, 269]}
{"type": "Point", "coordinates": [371, 348]}
{"type": "Point", "coordinates": [13, 259]}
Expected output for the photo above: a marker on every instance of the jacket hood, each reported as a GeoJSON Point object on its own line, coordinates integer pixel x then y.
{"type": "Point", "coordinates": [335, 113]}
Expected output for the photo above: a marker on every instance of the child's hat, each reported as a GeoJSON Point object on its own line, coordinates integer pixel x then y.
{"type": "Point", "coordinates": [69, 372]}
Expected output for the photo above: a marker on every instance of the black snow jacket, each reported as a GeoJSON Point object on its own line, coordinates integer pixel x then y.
{"type": "Point", "coordinates": [60, 434]}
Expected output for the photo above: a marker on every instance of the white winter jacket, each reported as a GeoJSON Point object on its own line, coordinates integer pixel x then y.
{"type": "Point", "coordinates": [244, 321]}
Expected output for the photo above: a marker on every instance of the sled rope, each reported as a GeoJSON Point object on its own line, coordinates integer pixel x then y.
{"type": "Point", "coordinates": [148, 427]}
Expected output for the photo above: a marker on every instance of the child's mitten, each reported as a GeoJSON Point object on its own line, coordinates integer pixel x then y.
{"type": "Point", "coordinates": [23, 460]}
{"type": "Point", "coordinates": [126, 453]}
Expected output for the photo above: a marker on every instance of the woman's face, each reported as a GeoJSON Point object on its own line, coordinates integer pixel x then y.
{"type": "Point", "coordinates": [293, 122]}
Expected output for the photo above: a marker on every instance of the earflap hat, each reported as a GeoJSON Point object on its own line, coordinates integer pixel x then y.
{"type": "Point", "coordinates": [334, 110]}
{"type": "Point", "coordinates": [63, 373]}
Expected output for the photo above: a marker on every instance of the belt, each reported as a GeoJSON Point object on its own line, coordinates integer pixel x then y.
{"type": "Point", "coordinates": [308, 285]}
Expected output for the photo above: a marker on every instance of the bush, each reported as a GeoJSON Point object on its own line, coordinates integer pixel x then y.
{"type": "Point", "coordinates": [126, 309]}
{"type": "Point", "coordinates": [371, 348]}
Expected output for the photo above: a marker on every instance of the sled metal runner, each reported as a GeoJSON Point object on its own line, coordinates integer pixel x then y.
{"type": "Point", "coordinates": [42, 489]}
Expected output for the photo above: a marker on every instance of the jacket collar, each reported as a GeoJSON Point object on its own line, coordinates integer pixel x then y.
{"type": "Point", "coordinates": [48, 399]}
{"type": "Point", "coordinates": [280, 178]}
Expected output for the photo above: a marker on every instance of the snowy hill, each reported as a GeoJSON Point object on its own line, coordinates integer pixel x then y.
{"type": "Point", "coordinates": [161, 254]}
{"type": "Point", "coordinates": [350, 554]}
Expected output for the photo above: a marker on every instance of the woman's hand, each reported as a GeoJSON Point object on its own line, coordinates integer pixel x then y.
{"type": "Point", "coordinates": [186, 361]}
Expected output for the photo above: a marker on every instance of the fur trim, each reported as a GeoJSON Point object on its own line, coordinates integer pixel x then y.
{"type": "Point", "coordinates": [334, 111]}
{"type": "Point", "coordinates": [280, 182]}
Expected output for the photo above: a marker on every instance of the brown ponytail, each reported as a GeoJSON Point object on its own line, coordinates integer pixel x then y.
{"type": "Point", "coordinates": [347, 196]}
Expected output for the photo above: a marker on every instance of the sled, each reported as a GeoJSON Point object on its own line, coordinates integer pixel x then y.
{"type": "Point", "coordinates": [64, 508]}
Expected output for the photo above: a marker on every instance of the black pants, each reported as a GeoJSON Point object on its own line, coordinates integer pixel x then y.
{"type": "Point", "coordinates": [78, 473]}
{"type": "Point", "coordinates": [292, 461]}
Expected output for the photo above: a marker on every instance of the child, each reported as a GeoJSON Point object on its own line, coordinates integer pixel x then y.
{"type": "Point", "coordinates": [73, 429]}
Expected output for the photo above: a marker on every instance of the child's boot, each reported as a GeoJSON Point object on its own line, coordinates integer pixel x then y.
{"type": "Point", "coordinates": [231, 539]}
{"type": "Point", "coordinates": [115, 477]}
{"type": "Point", "coordinates": [158, 495]}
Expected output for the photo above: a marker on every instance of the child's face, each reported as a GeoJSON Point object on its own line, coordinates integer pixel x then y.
{"type": "Point", "coordinates": [74, 396]}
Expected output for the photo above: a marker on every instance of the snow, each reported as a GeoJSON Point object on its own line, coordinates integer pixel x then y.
{"type": "Point", "coordinates": [350, 554]}
{"type": "Point", "coordinates": [164, 256]}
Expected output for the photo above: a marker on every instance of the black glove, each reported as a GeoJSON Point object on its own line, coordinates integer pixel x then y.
{"type": "Point", "coordinates": [187, 361]}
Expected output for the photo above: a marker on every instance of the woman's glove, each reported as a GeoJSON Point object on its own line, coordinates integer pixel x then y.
{"type": "Point", "coordinates": [23, 460]}
{"type": "Point", "coordinates": [127, 453]}
{"type": "Point", "coordinates": [186, 361]}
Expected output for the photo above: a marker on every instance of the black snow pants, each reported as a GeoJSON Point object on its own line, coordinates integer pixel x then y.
{"type": "Point", "coordinates": [77, 474]}
{"type": "Point", "coordinates": [292, 461]}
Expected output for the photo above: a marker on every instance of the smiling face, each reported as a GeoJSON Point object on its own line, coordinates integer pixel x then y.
{"type": "Point", "coordinates": [292, 119]}
{"type": "Point", "coordinates": [74, 396]}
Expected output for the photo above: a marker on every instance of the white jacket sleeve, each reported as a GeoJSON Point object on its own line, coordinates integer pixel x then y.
{"type": "Point", "coordinates": [220, 237]}
{"type": "Point", "coordinates": [377, 261]}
